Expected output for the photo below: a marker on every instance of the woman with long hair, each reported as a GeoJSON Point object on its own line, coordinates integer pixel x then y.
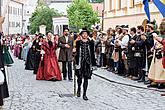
{"type": "Point", "coordinates": [49, 68]}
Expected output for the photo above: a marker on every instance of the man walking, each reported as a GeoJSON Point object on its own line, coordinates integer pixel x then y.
{"type": "Point", "coordinates": [65, 56]}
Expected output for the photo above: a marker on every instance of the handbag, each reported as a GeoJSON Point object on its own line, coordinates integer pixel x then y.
{"type": "Point", "coordinates": [2, 78]}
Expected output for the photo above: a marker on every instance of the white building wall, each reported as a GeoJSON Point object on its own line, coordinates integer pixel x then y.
{"type": "Point", "coordinates": [61, 7]}
{"type": "Point", "coordinates": [132, 16]}
{"type": "Point", "coordinates": [13, 17]}
{"type": "Point", "coordinates": [29, 8]}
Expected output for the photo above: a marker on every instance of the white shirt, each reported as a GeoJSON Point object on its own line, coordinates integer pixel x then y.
{"type": "Point", "coordinates": [66, 37]}
{"type": "Point", "coordinates": [103, 48]}
{"type": "Point", "coordinates": [124, 41]}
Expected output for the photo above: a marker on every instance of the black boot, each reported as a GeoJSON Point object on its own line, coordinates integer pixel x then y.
{"type": "Point", "coordinates": [79, 93]}
{"type": "Point", "coordinates": [85, 97]}
{"type": "Point", "coordinates": [142, 79]}
{"type": "Point", "coordinates": [85, 89]}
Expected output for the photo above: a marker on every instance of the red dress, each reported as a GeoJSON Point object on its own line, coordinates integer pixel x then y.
{"type": "Point", "coordinates": [49, 68]}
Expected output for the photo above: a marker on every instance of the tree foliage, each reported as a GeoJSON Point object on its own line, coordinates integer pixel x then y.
{"type": "Point", "coordinates": [42, 16]}
{"type": "Point", "coordinates": [81, 14]}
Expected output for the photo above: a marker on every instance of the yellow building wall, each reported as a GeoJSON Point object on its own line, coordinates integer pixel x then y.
{"type": "Point", "coordinates": [129, 15]}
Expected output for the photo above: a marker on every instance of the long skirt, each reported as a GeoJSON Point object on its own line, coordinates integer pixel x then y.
{"type": "Point", "coordinates": [4, 93]}
{"type": "Point", "coordinates": [7, 57]}
{"type": "Point", "coordinates": [156, 71]}
{"type": "Point", "coordinates": [29, 65]}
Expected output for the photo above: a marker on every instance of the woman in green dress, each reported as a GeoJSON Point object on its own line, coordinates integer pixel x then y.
{"type": "Point", "coordinates": [7, 57]}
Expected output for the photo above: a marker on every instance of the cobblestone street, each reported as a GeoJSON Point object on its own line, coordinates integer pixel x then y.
{"type": "Point", "coordinates": [26, 93]}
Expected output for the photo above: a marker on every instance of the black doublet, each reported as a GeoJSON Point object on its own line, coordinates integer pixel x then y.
{"type": "Point", "coordinates": [85, 54]}
{"type": "Point", "coordinates": [85, 59]}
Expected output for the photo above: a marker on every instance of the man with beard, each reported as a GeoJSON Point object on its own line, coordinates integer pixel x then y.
{"type": "Point", "coordinates": [84, 55]}
{"type": "Point", "coordinates": [149, 43]}
{"type": "Point", "coordinates": [65, 56]}
{"type": "Point", "coordinates": [139, 52]}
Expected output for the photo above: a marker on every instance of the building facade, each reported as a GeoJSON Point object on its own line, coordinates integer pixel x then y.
{"type": "Point", "coordinates": [12, 10]}
{"type": "Point", "coordinates": [60, 5]}
{"type": "Point", "coordinates": [129, 12]}
{"type": "Point", "coordinates": [29, 8]}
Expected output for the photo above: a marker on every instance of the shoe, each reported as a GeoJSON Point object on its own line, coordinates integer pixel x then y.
{"type": "Point", "coordinates": [85, 97]}
{"type": "Point", "coordinates": [116, 72]}
{"type": "Point", "coordinates": [161, 86]}
{"type": "Point", "coordinates": [78, 94]}
{"type": "Point", "coordinates": [150, 85]}
{"type": "Point", "coordinates": [141, 80]}
{"type": "Point", "coordinates": [147, 82]}
{"type": "Point", "coordinates": [135, 78]}
{"type": "Point", "coordinates": [162, 94]}
{"type": "Point", "coordinates": [71, 79]}
{"type": "Point", "coordinates": [64, 78]}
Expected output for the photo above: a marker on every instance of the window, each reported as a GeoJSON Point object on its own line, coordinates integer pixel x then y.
{"type": "Point", "coordinates": [132, 3]}
{"type": "Point", "coordinates": [15, 11]}
{"type": "Point", "coordinates": [18, 11]}
{"type": "Point", "coordinates": [124, 3]}
{"type": "Point", "coordinates": [13, 24]}
{"type": "Point", "coordinates": [17, 24]}
{"type": "Point", "coordinates": [119, 4]}
{"type": "Point", "coordinates": [10, 24]}
{"type": "Point", "coordinates": [1, 1]}
{"type": "Point", "coordinates": [110, 5]}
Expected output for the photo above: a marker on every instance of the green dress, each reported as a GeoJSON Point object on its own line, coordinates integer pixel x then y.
{"type": "Point", "coordinates": [7, 57]}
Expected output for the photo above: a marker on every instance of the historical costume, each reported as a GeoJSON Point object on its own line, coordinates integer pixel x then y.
{"type": "Point", "coordinates": [49, 68]}
{"type": "Point", "coordinates": [3, 88]}
{"type": "Point", "coordinates": [149, 43]}
{"type": "Point", "coordinates": [30, 61]}
{"type": "Point", "coordinates": [156, 71]}
{"type": "Point", "coordinates": [157, 68]}
{"type": "Point", "coordinates": [65, 56]}
{"type": "Point", "coordinates": [17, 47]}
{"type": "Point", "coordinates": [26, 46]}
{"type": "Point", "coordinates": [83, 58]}
{"type": "Point", "coordinates": [37, 56]}
{"type": "Point", "coordinates": [7, 57]}
{"type": "Point", "coordinates": [20, 41]}
{"type": "Point", "coordinates": [109, 48]}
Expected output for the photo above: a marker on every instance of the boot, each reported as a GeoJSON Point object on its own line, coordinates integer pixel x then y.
{"type": "Point", "coordinates": [79, 93]}
{"type": "Point", "coordinates": [142, 79]}
{"type": "Point", "coordinates": [85, 97]}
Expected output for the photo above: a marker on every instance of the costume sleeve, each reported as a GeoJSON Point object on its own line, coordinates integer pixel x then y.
{"type": "Point", "coordinates": [60, 43]}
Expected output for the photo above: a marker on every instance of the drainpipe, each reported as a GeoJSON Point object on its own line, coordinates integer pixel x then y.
{"type": "Point", "coordinates": [0, 7]}
{"type": "Point", "coordinates": [22, 18]}
{"type": "Point", "coordinates": [103, 15]}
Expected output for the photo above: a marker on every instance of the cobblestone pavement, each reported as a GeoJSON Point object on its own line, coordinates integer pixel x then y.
{"type": "Point", "coordinates": [26, 93]}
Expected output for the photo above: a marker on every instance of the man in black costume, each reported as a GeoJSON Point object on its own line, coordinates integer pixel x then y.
{"type": "Point", "coordinates": [84, 54]}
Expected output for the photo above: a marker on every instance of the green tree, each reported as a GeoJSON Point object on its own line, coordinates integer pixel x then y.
{"type": "Point", "coordinates": [42, 16]}
{"type": "Point", "coordinates": [81, 14]}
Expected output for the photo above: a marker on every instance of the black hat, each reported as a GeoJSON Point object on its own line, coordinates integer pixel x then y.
{"type": "Point", "coordinates": [84, 30]}
{"type": "Point", "coordinates": [40, 36]}
{"type": "Point", "coordinates": [118, 26]}
{"type": "Point", "coordinates": [126, 27]}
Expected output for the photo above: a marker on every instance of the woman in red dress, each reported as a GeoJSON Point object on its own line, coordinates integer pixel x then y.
{"type": "Point", "coordinates": [49, 68]}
